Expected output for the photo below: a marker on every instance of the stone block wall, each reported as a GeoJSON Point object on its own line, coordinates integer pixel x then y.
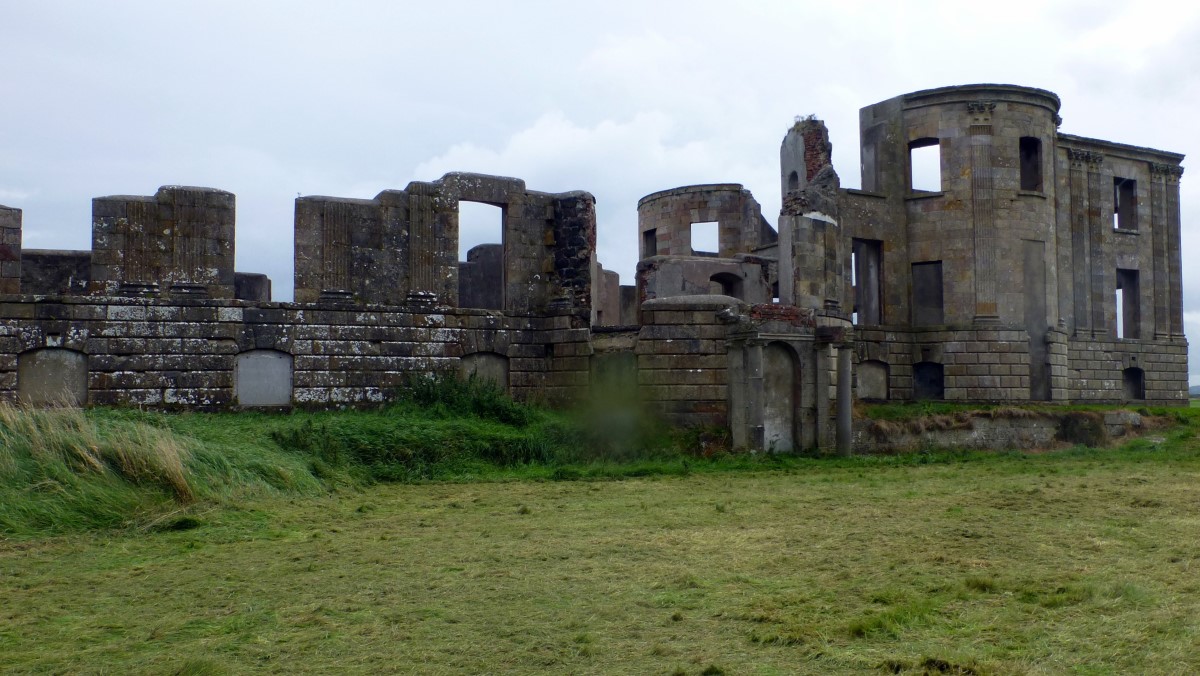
{"type": "Point", "coordinates": [681, 358]}
{"type": "Point", "coordinates": [10, 250]}
{"type": "Point", "coordinates": [55, 273]}
{"type": "Point", "coordinates": [1097, 370]}
{"type": "Point", "coordinates": [179, 242]}
{"type": "Point", "coordinates": [183, 353]}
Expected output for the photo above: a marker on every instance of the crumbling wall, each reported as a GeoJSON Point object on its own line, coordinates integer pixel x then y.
{"type": "Point", "coordinates": [177, 243]}
{"type": "Point", "coordinates": [10, 250]}
{"type": "Point", "coordinates": [665, 220]}
{"type": "Point", "coordinates": [55, 273]}
{"type": "Point", "coordinates": [402, 247]}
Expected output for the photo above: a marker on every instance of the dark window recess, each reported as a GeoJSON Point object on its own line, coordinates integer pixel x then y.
{"type": "Point", "coordinates": [1128, 311]}
{"type": "Point", "coordinates": [725, 284]}
{"type": "Point", "coordinates": [1031, 164]}
{"type": "Point", "coordinates": [793, 181]}
{"type": "Point", "coordinates": [1124, 203]}
{"type": "Point", "coordinates": [650, 243]}
{"type": "Point", "coordinates": [1135, 383]}
{"type": "Point", "coordinates": [927, 304]}
{"type": "Point", "coordinates": [867, 272]}
{"type": "Point", "coordinates": [928, 381]}
{"type": "Point", "coordinates": [925, 165]}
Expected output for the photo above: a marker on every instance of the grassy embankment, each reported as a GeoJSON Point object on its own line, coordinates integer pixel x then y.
{"type": "Point", "coordinates": [282, 551]}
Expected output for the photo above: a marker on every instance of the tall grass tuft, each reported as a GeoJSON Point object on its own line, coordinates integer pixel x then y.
{"type": "Point", "coordinates": [61, 470]}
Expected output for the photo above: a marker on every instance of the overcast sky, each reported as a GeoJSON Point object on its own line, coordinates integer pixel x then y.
{"type": "Point", "coordinates": [271, 100]}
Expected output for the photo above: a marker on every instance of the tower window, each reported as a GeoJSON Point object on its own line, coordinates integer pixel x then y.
{"type": "Point", "coordinates": [925, 165]}
{"type": "Point", "coordinates": [1124, 203]}
{"type": "Point", "coordinates": [1031, 164]}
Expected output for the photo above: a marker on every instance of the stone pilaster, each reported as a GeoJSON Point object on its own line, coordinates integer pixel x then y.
{"type": "Point", "coordinates": [1098, 232]}
{"type": "Point", "coordinates": [1079, 241]}
{"type": "Point", "coordinates": [983, 211]}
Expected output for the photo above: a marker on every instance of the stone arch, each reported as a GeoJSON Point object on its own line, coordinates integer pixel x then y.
{"type": "Point", "coordinates": [491, 366]}
{"type": "Point", "coordinates": [780, 397]}
{"type": "Point", "coordinates": [873, 380]}
{"type": "Point", "coordinates": [1135, 383]}
{"type": "Point", "coordinates": [928, 380]}
{"type": "Point", "coordinates": [263, 378]}
{"type": "Point", "coordinates": [52, 375]}
{"type": "Point", "coordinates": [726, 284]}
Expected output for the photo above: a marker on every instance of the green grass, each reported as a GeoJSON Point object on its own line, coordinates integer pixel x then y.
{"type": "Point", "coordinates": [348, 542]}
{"type": "Point", "coordinates": [1074, 562]}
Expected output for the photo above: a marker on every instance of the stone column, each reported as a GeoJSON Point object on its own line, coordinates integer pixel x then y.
{"type": "Point", "coordinates": [844, 401]}
{"type": "Point", "coordinates": [983, 212]}
{"type": "Point", "coordinates": [422, 263]}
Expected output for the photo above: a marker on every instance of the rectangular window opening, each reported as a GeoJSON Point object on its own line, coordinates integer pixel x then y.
{"type": "Point", "coordinates": [650, 243]}
{"type": "Point", "coordinates": [925, 165]}
{"type": "Point", "coordinates": [1128, 311]}
{"type": "Point", "coordinates": [866, 275]}
{"type": "Point", "coordinates": [927, 302]}
{"type": "Point", "coordinates": [705, 239]}
{"type": "Point", "coordinates": [1031, 164]}
{"type": "Point", "coordinates": [1124, 203]}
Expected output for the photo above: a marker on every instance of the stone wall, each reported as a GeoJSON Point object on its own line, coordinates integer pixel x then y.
{"type": "Point", "coordinates": [177, 243]}
{"type": "Point", "coordinates": [184, 352]}
{"type": "Point", "coordinates": [681, 358]}
{"type": "Point", "coordinates": [10, 250]}
{"type": "Point", "coordinates": [665, 220]}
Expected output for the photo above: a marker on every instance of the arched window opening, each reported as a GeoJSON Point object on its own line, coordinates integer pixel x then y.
{"type": "Point", "coordinates": [726, 284]}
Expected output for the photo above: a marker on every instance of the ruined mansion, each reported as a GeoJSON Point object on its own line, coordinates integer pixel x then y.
{"type": "Point", "coordinates": [1040, 267]}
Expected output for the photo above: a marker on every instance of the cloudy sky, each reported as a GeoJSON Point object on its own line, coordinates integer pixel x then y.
{"type": "Point", "coordinates": [271, 100]}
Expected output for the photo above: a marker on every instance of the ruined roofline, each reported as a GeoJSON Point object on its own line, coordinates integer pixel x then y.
{"type": "Point", "coordinates": [687, 189]}
{"type": "Point", "coordinates": [975, 92]}
{"type": "Point", "coordinates": [1122, 149]}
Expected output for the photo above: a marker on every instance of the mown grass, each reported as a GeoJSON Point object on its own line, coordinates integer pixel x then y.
{"type": "Point", "coordinates": [1082, 561]}
{"type": "Point", "coordinates": [346, 542]}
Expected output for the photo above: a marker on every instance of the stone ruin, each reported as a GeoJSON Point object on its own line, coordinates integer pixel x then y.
{"type": "Point", "coordinates": [1040, 267]}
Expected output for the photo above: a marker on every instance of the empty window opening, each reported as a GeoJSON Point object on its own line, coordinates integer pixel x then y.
{"type": "Point", "coordinates": [1135, 383]}
{"type": "Point", "coordinates": [650, 243]}
{"type": "Point", "coordinates": [725, 284]}
{"type": "Point", "coordinates": [866, 263]}
{"type": "Point", "coordinates": [928, 381]}
{"type": "Point", "coordinates": [481, 256]}
{"type": "Point", "coordinates": [1128, 314]}
{"type": "Point", "coordinates": [775, 292]}
{"type": "Point", "coordinates": [1124, 203]}
{"type": "Point", "coordinates": [925, 165]}
{"type": "Point", "coordinates": [793, 181]}
{"type": "Point", "coordinates": [927, 304]}
{"type": "Point", "coordinates": [705, 239]}
{"type": "Point", "coordinates": [1031, 164]}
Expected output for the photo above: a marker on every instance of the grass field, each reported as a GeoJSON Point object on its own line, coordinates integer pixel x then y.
{"type": "Point", "coordinates": [1082, 561]}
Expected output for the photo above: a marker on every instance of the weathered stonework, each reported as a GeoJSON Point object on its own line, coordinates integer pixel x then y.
{"type": "Point", "coordinates": [1046, 267]}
